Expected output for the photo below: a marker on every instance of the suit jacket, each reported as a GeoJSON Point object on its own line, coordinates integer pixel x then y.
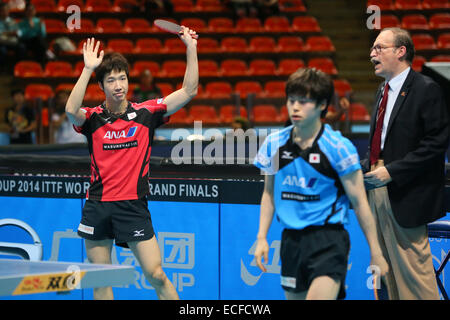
{"type": "Point", "coordinates": [414, 150]}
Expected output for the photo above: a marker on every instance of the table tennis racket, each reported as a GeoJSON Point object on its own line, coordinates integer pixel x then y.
{"type": "Point", "coordinates": [170, 27]}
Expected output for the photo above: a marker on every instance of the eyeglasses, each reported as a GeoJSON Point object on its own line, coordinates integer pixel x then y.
{"type": "Point", "coordinates": [378, 48]}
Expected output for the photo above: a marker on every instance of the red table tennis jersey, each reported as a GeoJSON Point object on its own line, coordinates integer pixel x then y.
{"type": "Point", "coordinates": [120, 147]}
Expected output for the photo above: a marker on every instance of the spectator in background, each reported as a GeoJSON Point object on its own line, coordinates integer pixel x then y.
{"type": "Point", "coordinates": [266, 8]}
{"type": "Point", "coordinates": [63, 131]}
{"type": "Point", "coordinates": [21, 118]}
{"type": "Point", "coordinates": [156, 7]}
{"type": "Point", "coordinates": [9, 36]}
{"type": "Point", "coordinates": [240, 123]}
{"type": "Point", "coordinates": [334, 116]}
{"type": "Point", "coordinates": [17, 5]}
{"type": "Point", "coordinates": [243, 8]}
{"type": "Point", "coordinates": [33, 35]}
{"type": "Point", "coordinates": [147, 89]}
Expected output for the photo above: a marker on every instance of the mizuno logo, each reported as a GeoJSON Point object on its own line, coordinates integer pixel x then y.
{"type": "Point", "coordinates": [287, 155]}
{"type": "Point", "coordinates": [117, 134]}
{"type": "Point", "coordinates": [138, 233]}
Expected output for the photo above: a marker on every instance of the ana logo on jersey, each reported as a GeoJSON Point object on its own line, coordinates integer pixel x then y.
{"type": "Point", "coordinates": [299, 182]}
{"type": "Point", "coordinates": [117, 134]}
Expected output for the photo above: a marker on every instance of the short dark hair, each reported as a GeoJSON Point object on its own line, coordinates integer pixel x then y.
{"type": "Point", "coordinates": [111, 61]}
{"type": "Point", "coordinates": [311, 83]}
{"type": "Point", "coordinates": [403, 38]}
{"type": "Point", "coordinates": [16, 91]}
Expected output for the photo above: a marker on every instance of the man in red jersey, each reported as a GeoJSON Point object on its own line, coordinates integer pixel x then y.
{"type": "Point", "coordinates": [120, 135]}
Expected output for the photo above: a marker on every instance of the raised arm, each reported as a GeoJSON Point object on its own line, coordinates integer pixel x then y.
{"type": "Point", "coordinates": [91, 61]}
{"type": "Point", "coordinates": [177, 99]}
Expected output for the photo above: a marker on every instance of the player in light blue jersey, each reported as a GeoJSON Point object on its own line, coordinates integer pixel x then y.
{"type": "Point", "coordinates": [312, 174]}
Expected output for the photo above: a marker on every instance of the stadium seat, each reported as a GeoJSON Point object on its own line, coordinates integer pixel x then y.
{"type": "Point", "coordinates": [174, 45]}
{"type": "Point", "coordinates": [148, 45]}
{"type": "Point", "coordinates": [423, 41]}
{"type": "Point", "coordinates": [221, 25]}
{"type": "Point", "coordinates": [233, 67]}
{"type": "Point", "coordinates": [358, 112]}
{"type": "Point", "coordinates": [197, 24]}
{"type": "Point", "coordinates": [275, 89]}
{"type": "Point", "coordinates": [436, 4]}
{"type": "Point", "coordinates": [209, 6]}
{"type": "Point", "coordinates": [324, 64]}
{"type": "Point", "coordinates": [290, 44]}
{"type": "Point", "coordinates": [124, 5]}
{"type": "Point", "coordinates": [109, 25]}
{"type": "Point", "coordinates": [441, 58]}
{"type": "Point", "coordinates": [284, 114]}
{"type": "Point", "coordinates": [80, 46]}
{"type": "Point", "coordinates": [245, 87]}
{"type": "Point", "coordinates": [123, 46]}
{"type": "Point", "coordinates": [262, 67]}
{"type": "Point", "coordinates": [64, 4]}
{"type": "Point", "coordinates": [207, 45]}
{"type": "Point", "coordinates": [262, 44]}
{"type": "Point", "coordinates": [319, 43]}
{"type": "Point", "coordinates": [181, 117]}
{"type": "Point", "coordinates": [37, 90]}
{"type": "Point", "coordinates": [166, 88]}
{"type": "Point", "coordinates": [218, 89]}
{"type": "Point", "coordinates": [440, 21]}
{"type": "Point", "coordinates": [58, 69]}
{"type": "Point", "coordinates": [28, 69]}
{"type": "Point", "coordinates": [78, 68]}
{"type": "Point", "coordinates": [288, 66]}
{"type": "Point", "coordinates": [86, 26]}
{"type": "Point", "coordinates": [247, 25]}
{"type": "Point", "coordinates": [64, 86]}
{"type": "Point", "coordinates": [173, 68]}
{"type": "Point", "coordinates": [277, 24]}
{"type": "Point", "coordinates": [389, 21]}
{"type": "Point", "coordinates": [98, 6]}
{"type": "Point", "coordinates": [415, 22]}
{"type": "Point", "coordinates": [44, 6]}
{"type": "Point", "coordinates": [418, 62]}
{"type": "Point", "coordinates": [208, 68]}
{"type": "Point", "coordinates": [443, 41]}
{"type": "Point", "coordinates": [234, 44]}
{"type": "Point", "coordinates": [383, 4]}
{"type": "Point", "coordinates": [408, 4]}
{"type": "Point", "coordinates": [94, 93]}
{"type": "Point", "coordinates": [228, 112]}
{"type": "Point", "coordinates": [265, 113]}
{"type": "Point", "coordinates": [205, 113]}
{"type": "Point", "coordinates": [54, 25]}
{"type": "Point", "coordinates": [141, 65]}
{"type": "Point", "coordinates": [342, 87]}
{"type": "Point", "coordinates": [305, 24]}
{"type": "Point", "coordinates": [291, 6]}
{"type": "Point", "coordinates": [137, 25]}
{"type": "Point", "coordinates": [183, 5]}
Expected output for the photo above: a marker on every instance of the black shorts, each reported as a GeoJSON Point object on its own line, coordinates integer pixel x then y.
{"type": "Point", "coordinates": [125, 221]}
{"type": "Point", "coordinates": [312, 252]}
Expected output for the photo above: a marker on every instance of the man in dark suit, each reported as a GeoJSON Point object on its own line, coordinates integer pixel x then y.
{"type": "Point", "coordinates": [409, 135]}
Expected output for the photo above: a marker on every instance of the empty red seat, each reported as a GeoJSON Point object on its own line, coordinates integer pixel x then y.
{"type": "Point", "coordinates": [94, 93]}
{"type": "Point", "coordinates": [319, 43]}
{"type": "Point", "coordinates": [247, 25]}
{"type": "Point", "coordinates": [265, 113]}
{"type": "Point", "coordinates": [415, 22]}
{"type": "Point", "coordinates": [441, 58]}
{"type": "Point", "coordinates": [98, 6]}
{"type": "Point", "coordinates": [275, 89]}
{"type": "Point", "coordinates": [389, 21]}
{"type": "Point", "coordinates": [148, 45]}
{"type": "Point", "coordinates": [54, 25]}
{"type": "Point", "coordinates": [290, 44]}
{"type": "Point", "coordinates": [174, 45]}
{"type": "Point", "coordinates": [262, 44]}
{"type": "Point", "coordinates": [64, 87]}
{"type": "Point", "coordinates": [64, 4]}
{"type": "Point", "coordinates": [183, 5]}
{"type": "Point", "coordinates": [288, 66]}
{"type": "Point", "coordinates": [324, 64]}
{"type": "Point", "coordinates": [37, 90]}
{"type": "Point", "coordinates": [233, 67]}
{"type": "Point", "coordinates": [44, 6]}
{"type": "Point", "coordinates": [277, 24]}
{"type": "Point", "coordinates": [382, 4]}
{"type": "Point", "coordinates": [418, 62]}
{"type": "Point", "coordinates": [166, 88]}
{"type": "Point", "coordinates": [205, 113]}
{"type": "Point", "coordinates": [197, 24]}
{"type": "Point", "coordinates": [408, 4]}
{"type": "Point", "coordinates": [305, 24]}
{"type": "Point", "coordinates": [284, 114]}
{"type": "Point", "coordinates": [262, 67]}
{"type": "Point", "coordinates": [234, 44]}
{"type": "Point", "coordinates": [173, 68]}
{"type": "Point", "coordinates": [221, 24]}
{"type": "Point", "coordinates": [142, 65]}
{"type": "Point", "coordinates": [108, 25]}
{"type": "Point", "coordinates": [86, 26]}
{"type": "Point", "coordinates": [208, 68]}
{"type": "Point", "coordinates": [444, 41]}
{"type": "Point", "coordinates": [181, 117]}
{"type": "Point", "coordinates": [228, 112]}
{"type": "Point", "coordinates": [248, 86]}
{"type": "Point", "coordinates": [58, 69]}
{"type": "Point", "coordinates": [358, 112]}
{"type": "Point", "coordinates": [218, 89]}
{"type": "Point", "coordinates": [209, 6]}
{"type": "Point", "coordinates": [207, 45]}
{"type": "Point", "coordinates": [123, 46]}
{"type": "Point", "coordinates": [440, 21]}
{"type": "Point", "coordinates": [27, 69]}
{"type": "Point", "coordinates": [423, 42]}
{"type": "Point", "coordinates": [342, 87]}
{"type": "Point", "coordinates": [436, 4]}
{"type": "Point", "coordinates": [137, 25]}
{"type": "Point", "coordinates": [291, 6]}
{"type": "Point", "coordinates": [124, 5]}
